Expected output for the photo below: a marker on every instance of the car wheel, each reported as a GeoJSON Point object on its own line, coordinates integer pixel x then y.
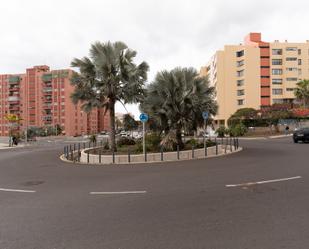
{"type": "Point", "coordinates": [295, 141]}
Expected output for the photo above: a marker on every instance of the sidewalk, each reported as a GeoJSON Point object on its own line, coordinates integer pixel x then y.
{"type": "Point", "coordinates": [4, 146]}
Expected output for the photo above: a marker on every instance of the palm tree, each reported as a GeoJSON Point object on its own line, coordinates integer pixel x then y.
{"type": "Point", "coordinates": [107, 76]}
{"type": "Point", "coordinates": [176, 100]}
{"type": "Point", "coordinates": [302, 92]}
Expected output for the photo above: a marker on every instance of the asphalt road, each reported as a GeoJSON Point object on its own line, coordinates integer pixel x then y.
{"type": "Point", "coordinates": [181, 205]}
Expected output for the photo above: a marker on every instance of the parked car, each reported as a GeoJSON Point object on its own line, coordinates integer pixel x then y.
{"type": "Point", "coordinates": [301, 134]}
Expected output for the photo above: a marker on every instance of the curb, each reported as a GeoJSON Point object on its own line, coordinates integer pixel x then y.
{"type": "Point", "coordinates": [62, 158]}
{"type": "Point", "coordinates": [264, 138]}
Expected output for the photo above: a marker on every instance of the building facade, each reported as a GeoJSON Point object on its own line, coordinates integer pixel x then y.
{"type": "Point", "coordinates": [41, 98]}
{"type": "Point", "coordinates": [256, 74]}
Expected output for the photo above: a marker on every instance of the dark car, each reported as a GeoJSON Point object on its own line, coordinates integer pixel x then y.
{"type": "Point", "coordinates": [301, 134]}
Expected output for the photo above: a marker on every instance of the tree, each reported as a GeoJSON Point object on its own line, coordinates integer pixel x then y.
{"type": "Point", "coordinates": [129, 122]}
{"type": "Point", "coordinates": [302, 92]}
{"type": "Point", "coordinates": [108, 76]}
{"type": "Point", "coordinates": [241, 115]}
{"type": "Point", "coordinates": [176, 100]}
{"type": "Point", "coordinates": [13, 122]}
{"type": "Point", "coordinates": [274, 114]}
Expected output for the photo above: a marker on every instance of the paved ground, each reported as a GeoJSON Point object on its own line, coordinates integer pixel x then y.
{"type": "Point", "coordinates": [181, 205]}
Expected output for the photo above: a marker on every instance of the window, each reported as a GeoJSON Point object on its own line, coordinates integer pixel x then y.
{"type": "Point", "coordinates": [291, 49]}
{"type": "Point", "coordinates": [240, 101]}
{"type": "Point", "coordinates": [290, 89]}
{"type": "Point", "coordinates": [240, 53]}
{"type": "Point", "coordinates": [240, 73]}
{"type": "Point", "coordinates": [299, 61]}
{"type": "Point", "coordinates": [291, 79]}
{"type": "Point", "coordinates": [291, 59]}
{"type": "Point", "coordinates": [240, 63]}
{"type": "Point", "coordinates": [292, 69]}
{"type": "Point", "coordinates": [299, 51]}
{"type": "Point", "coordinates": [240, 82]}
{"type": "Point", "coordinates": [277, 71]}
{"type": "Point", "coordinates": [276, 61]}
{"type": "Point", "coordinates": [264, 66]}
{"type": "Point", "coordinates": [277, 81]}
{"type": "Point", "coordinates": [265, 77]}
{"type": "Point", "coordinates": [240, 92]}
{"type": "Point", "coordinates": [277, 91]}
{"type": "Point", "coordinates": [277, 51]}
{"type": "Point", "coordinates": [277, 101]}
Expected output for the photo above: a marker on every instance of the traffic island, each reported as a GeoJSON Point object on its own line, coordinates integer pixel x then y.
{"type": "Point", "coordinates": [87, 155]}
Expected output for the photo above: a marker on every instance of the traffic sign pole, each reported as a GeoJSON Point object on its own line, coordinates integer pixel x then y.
{"type": "Point", "coordinates": [205, 116]}
{"type": "Point", "coordinates": [144, 145]}
{"type": "Point", "coordinates": [204, 133]}
{"type": "Point", "coordinates": [144, 118]}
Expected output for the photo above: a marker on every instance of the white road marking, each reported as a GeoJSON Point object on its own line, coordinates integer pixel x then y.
{"type": "Point", "coordinates": [262, 182]}
{"type": "Point", "coordinates": [118, 193]}
{"type": "Point", "coordinates": [17, 190]}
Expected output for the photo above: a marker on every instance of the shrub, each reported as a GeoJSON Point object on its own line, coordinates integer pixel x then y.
{"type": "Point", "coordinates": [93, 138]}
{"type": "Point", "coordinates": [238, 130]}
{"type": "Point", "coordinates": [221, 131]}
{"type": "Point", "coordinates": [125, 141]}
{"type": "Point", "coordinates": [192, 142]}
{"type": "Point", "coordinates": [169, 142]}
{"type": "Point", "coordinates": [106, 146]}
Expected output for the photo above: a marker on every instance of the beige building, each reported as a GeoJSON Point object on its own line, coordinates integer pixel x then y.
{"type": "Point", "coordinates": [256, 74]}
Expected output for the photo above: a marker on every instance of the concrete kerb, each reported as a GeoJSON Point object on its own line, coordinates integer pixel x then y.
{"type": "Point", "coordinates": [6, 147]}
{"type": "Point", "coordinates": [228, 152]}
{"type": "Point", "coordinates": [264, 138]}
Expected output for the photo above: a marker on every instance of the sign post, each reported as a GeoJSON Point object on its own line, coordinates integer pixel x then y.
{"type": "Point", "coordinates": [144, 118]}
{"type": "Point", "coordinates": [205, 117]}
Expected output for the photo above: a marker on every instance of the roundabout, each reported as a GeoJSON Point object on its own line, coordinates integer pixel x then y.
{"type": "Point", "coordinates": [181, 204]}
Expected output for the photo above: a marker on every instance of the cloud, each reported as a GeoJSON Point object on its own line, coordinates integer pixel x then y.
{"type": "Point", "coordinates": [166, 33]}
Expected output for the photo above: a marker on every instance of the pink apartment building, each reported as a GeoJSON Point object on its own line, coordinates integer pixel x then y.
{"type": "Point", "coordinates": [41, 98]}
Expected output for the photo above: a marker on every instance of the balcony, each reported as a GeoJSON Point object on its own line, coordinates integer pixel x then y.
{"type": "Point", "coordinates": [47, 106]}
{"type": "Point", "coordinates": [47, 90]}
{"type": "Point", "coordinates": [14, 108]}
{"type": "Point", "coordinates": [14, 88]}
{"type": "Point", "coordinates": [47, 118]}
{"type": "Point", "coordinates": [13, 98]}
{"type": "Point", "coordinates": [47, 77]}
{"type": "Point", "coordinates": [14, 79]}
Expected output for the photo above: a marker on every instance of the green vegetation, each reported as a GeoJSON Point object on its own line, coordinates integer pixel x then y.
{"type": "Point", "coordinates": [302, 92]}
{"type": "Point", "coordinates": [222, 131]}
{"type": "Point", "coordinates": [107, 76]}
{"type": "Point", "coordinates": [129, 123]}
{"type": "Point", "coordinates": [176, 99]}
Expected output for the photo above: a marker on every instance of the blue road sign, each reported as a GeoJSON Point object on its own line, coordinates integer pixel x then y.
{"type": "Point", "coordinates": [143, 117]}
{"type": "Point", "coordinates": [205, 115]}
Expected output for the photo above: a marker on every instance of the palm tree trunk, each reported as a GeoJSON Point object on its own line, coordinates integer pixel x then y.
{"type": "Point", "coordinates": [112, 135]}
{"type": "Point", "coordinates": [179, 138]}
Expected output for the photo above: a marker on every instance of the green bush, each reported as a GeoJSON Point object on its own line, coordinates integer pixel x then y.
{"type": "Point", "coordinates": [125, 141]}
{"type": "Point", "coordinates": [221, 131]}
{"type": "Point", "coordinates": [106, 146]}
{"type": "Point", "coordinates": [93, 138]}
{"type": "Point", "coordinates": [153, 141]}
{"type": "Point", "coordinates": [238, 130]}
{"type": "Point", "coordinates": [193, 142]}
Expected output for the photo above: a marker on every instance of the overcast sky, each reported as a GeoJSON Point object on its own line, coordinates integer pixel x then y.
{"type": "Point", "coordinates": [165, 33]}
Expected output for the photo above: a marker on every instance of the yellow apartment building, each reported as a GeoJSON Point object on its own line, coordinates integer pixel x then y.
{"type": "Point", "coordinates": [256, 74]}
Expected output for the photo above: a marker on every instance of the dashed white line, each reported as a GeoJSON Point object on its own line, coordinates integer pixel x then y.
{"type": "Point", "coordinates": [262, 182]}
{"type": "Point", "coordinates": [118, 193]}
{"type": "Point", "coordinates": [17, 190]}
